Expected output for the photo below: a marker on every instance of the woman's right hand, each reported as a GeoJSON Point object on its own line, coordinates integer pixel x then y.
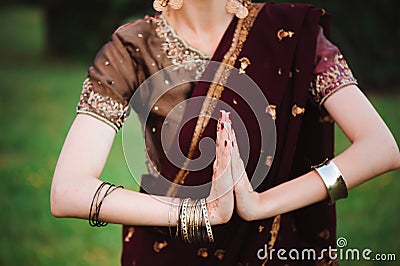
{"type": "Point", "coordinates": [220, 202]}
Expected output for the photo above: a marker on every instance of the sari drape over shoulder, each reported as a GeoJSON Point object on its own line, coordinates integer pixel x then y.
{"type": "Point", "coordinates": [297, 69]}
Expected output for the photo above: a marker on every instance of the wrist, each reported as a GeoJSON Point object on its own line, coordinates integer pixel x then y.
{"type": "Point", "coordinates": [217, 211]}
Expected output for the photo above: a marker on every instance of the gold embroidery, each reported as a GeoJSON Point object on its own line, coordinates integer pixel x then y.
{"type": "Point", "coordinates": [244, 63]}
{"type": "Point", "coordinates": [182, 55]}
{"type": "Point", "coordinates": [268, 161]}
{"type": "Point", "coordinates": [296, 110]}
{"type": "Point", "coordinates": [324, 234]}
{"type": "Point", "coordinates": [202, 252]}
{"type": "Point", "coordinates": [326, 119]}
{"type": "Point", "coordinates": [215, 91]}
{"type": "Point", "coordinates": [158, 246]}
{"type": "Point", "coordinates": [336, 77]}
{"type": "Point", "coordinates": [282, 34]}
{"type": "Point", "coordinates": [219, 253]}
{"type": "Point", "coordinates": [271, 110]}
{"type": "Point", "coordinates": [130, 234]}
{"type": "Point", "coordinates": [101, 107]}
{"type": "Point", "coordinates": [276, 225]}
{"type": "Point", "coordinates": [260, 228]}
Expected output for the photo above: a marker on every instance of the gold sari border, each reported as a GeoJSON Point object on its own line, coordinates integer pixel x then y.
{"type": "Point", "coordinates": [216, 88]}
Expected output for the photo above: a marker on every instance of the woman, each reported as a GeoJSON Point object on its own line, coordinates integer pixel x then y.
{"type": "Point", "coordinates": [282, 48]}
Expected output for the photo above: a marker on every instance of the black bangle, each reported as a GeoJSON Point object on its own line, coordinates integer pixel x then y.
{"type": "Point", "coordinates": [96, 204]}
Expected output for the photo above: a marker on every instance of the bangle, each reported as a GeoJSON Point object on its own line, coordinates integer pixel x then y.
{"type": "Point", "coordinates": [169, 218]}
{"type": "Point", "coordinates": [207, 221]}
{"type": "Point", "coordinates": [95, 206]}
{"type": "Point", "coordinates": [178, 219]}
{"type": "Point", "coordinates": [192, 221]}
{"type": "Point", "coordinates": [184, 217]}
{"type": "Point", "coordinates": [333, 180]}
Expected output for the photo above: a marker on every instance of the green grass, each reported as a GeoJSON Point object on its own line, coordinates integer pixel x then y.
{"type": "Point", "coordinates": [370, 217]}
{"type": "Point", "coordinates": [37, 105]}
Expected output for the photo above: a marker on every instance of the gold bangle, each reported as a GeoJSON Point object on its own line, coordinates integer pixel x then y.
{"type": "Point", "coordinates": [193, 220]}
{"type": "Point", "coordinates": [178, 218]}
{"type": "Point", "coordinates": [184, 218]}
{"type": "Point", "coordinates": [333, 180]}
{"type": "Point", "coordinates": [207, 220]}
{"type": "Point", "coordinates": [190, 220]}
{"type": "Point", "coordinates": [197, 221]}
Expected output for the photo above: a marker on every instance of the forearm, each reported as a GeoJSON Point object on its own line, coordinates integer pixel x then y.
{"type": "Point", "coordinates": [122, 206]}
{"type": "Point", "coordinates": [75, 182]}
{"type": "Point", "coordinates": [356, 164]}
{"type": "Point", "coordinates": [373, 151]}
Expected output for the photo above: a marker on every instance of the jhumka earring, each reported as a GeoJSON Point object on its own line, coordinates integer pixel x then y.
{"type": "Point", "coordinates": [160, 5]}
{"type": "Point", "coordinates": [238, 8]}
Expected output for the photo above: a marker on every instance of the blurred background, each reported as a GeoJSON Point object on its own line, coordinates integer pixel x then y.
{"type": "Point", "coordinates": [45, 50]}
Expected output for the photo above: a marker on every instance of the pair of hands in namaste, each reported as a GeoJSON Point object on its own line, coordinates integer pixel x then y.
{"type": "Point", "coordinates": [229, 177]}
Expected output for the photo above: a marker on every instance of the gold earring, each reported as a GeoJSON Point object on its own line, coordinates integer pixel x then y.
{"type": "Point", "coordinates": [175, 4]}
{"type": "Point", "coordinates": [159, 5]}
{"type": "Point", "coordinates": [236, 7]}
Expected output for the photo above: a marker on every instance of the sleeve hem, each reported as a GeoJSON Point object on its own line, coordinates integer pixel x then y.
{"type": "Point", "coordinates": [335, 90]}
{"type": "Point", "coordinates": [99, 118]}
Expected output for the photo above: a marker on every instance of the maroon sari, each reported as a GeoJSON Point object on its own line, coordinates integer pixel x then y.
{"type": "Point", "coordinates": [283, 69]}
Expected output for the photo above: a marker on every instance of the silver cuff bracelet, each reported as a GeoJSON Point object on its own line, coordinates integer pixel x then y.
{"type": "Point", "coordinates": [333, 179]}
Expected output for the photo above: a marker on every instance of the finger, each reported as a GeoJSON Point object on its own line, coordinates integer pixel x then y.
{"type": "Point", "coordinates": [236, 159]}
{"type": "Point", "coordinates": [223, 147]}
{"type": "Point", "coordinates": [224, 153]}
{"type": "Point", "coordinates": [239, 174]}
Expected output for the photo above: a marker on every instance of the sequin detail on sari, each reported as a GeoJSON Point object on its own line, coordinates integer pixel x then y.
{"type": "Point", "coordinates": [336, 77]}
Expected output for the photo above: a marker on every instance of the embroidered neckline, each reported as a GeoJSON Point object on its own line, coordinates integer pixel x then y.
{"type": "Point", "coordinates": [185, 44]}
{"type": "Point", "coordinates": [182, 55]}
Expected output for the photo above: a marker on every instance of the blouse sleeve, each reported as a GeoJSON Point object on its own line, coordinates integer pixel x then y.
{"type": "Point", "coordinates": [109, 85]}
{"type": "Point", "coordinates": [331, 72]}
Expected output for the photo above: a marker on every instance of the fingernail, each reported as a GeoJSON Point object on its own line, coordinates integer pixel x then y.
{"type": "Point", "coordinates": [233, 144]}
{"type": "Point", "coordinates": [220, 114]}
{"type": "Point", "coordinates": [226, 143]}
{"type": "Point", "coordinates": [222, 126]}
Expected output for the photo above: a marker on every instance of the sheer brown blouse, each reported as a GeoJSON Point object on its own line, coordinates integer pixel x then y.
{"type": "Point", "coordinates": [139, 49]}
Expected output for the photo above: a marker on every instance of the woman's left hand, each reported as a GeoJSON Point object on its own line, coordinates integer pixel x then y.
{"type": "Point", "coordinates": [247, 200]}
